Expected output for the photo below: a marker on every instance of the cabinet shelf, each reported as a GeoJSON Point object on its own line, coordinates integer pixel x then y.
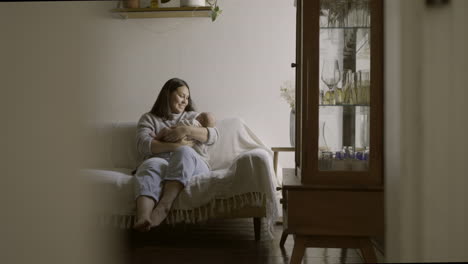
{"type": "Point", "coordinates": [162, 12]}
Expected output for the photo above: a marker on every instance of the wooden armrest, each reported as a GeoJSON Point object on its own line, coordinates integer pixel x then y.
{"type": "Point", "coordinates": [283, 149]}
{"type": "Point", "coordinates": [275, 155]}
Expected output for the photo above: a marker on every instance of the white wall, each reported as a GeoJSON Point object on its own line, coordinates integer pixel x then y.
{"type": "Point", "coordinates": [234, 66]}
{"type": "Point", "coordinates": [45, 206]}
{"type": "Point", "coordinates": [392, 127]}
{"type": "Point", "coordinates": [62, 63]}
{"type": "Point", "coordinates": [445, 129]}
{"type": "Point", "coordinates": [426, 128]}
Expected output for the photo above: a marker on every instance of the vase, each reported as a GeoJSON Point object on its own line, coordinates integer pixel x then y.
{"type": "Point", "coordinates": [132, 4]}
{"type": "Point", "coordinates": [292, 128]}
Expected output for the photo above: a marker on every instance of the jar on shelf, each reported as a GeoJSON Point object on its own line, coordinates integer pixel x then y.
{"type": "Point", "coordinates": [132, 3]}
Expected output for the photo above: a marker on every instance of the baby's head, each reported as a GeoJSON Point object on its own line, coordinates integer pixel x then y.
{"type": "Point", "coordinates": [206, 119]}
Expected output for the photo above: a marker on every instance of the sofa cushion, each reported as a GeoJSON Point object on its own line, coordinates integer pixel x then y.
{"type": "Point", "coordinates": [123, 146]}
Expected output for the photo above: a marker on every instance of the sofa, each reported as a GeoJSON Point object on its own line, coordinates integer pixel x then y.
{"type": "Point", "coordinates": [241, 183]}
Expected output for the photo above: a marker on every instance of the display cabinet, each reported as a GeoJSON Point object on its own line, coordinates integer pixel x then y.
{"type": "Point", "coordinates": [335, 193]}
{"type": "Point", "coordinates": [340, 79]}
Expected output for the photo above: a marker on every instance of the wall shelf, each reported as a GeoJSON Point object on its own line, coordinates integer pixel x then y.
{"type": "Point", "coordinates": [162, 12]}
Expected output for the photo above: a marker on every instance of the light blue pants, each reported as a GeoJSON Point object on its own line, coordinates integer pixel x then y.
{"type": "Point", "coordinates": [180, 165]}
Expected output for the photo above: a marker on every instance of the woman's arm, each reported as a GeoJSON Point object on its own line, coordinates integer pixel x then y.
{"type": "Point", "coordinates": [147, 144]}
{"type": "Point", "coordinates": [177, 133]}
{"type": "Point", "coordinates": [160, 147]}
{"type": "Point", "coordinates": [207, 135]}
{"type": "Point", "coordinates": [197, 133]}
{"type": "Point", "coordinates": [146, 126]}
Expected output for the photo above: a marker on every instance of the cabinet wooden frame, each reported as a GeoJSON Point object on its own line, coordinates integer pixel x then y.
{"type": "Point", "coordinates": [307, 112]}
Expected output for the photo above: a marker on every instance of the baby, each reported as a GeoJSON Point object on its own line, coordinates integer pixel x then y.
{"type": "Point", "coordinates": [204, 119]}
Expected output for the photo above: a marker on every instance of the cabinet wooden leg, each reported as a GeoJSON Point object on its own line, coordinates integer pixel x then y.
{"type": "Point", "coordinates": [257, 225]}
{"type": "Point", "coordinates": [284, 236]}
{"type": "Point", "coordinates": [298, 250]}
{"type": "Point", "coordinates": [343, 255]}
{"type": "Point", "coordinates": [367, 250]}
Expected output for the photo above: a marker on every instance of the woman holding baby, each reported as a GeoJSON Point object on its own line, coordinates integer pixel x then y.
{"type": "Point", "coordinates": [172, 142]}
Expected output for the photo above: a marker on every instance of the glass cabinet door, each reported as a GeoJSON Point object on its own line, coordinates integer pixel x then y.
{"type": "Point", "coordinates": [340, 82]}
{"type": "Point", "coordinates": [344, 85]}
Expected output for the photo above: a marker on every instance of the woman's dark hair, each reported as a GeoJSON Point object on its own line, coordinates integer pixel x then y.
{"type": "Point", "coordinates": [162, 107]}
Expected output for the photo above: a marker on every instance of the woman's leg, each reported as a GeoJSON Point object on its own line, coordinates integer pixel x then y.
{"type": "Point", "coordinates": [183, 165]}
{"type": "Point", "coordinates": [145, 206]}
{"type": "Point", "coordinates": [148, 190]}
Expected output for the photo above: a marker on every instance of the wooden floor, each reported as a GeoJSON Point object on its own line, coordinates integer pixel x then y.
{"type": "Point", "coordinates": [223, 241]}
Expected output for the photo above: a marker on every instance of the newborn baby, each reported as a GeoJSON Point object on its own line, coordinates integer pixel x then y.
{"type": "Point", "coordinates": [204, 119]}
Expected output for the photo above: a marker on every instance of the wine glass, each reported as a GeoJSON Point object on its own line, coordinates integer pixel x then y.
{"type": "Point", "coordinates": [331, 76]}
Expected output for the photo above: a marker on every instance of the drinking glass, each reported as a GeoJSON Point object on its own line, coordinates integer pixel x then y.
{"type": "Point", "coordinates": [357, 13]}
{"type": "Point", "coordinates": [323, 145]}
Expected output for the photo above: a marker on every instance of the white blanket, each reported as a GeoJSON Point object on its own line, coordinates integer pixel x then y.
{"type": "Point", "coordinates": [242, 173]}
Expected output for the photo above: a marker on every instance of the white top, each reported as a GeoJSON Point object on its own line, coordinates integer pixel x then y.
{"type": "Point", "coordinates": [150, 123]}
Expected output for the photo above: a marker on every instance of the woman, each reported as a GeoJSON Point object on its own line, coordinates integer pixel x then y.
{"type": "Point", "coordinates": [169, 160]}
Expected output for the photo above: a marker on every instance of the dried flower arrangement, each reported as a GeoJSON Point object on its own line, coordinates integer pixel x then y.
{"type": "Point", "coordinates": [288, 93]}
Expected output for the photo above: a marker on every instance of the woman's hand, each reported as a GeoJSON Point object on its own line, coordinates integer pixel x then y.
{"type": "Point", "coordinates": [161, 133]}
{"type": "Point", "coordinates": [187, 142]}
{"type": "Point", "coordinates": [175, 134]}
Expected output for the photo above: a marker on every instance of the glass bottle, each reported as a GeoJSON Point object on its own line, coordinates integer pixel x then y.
{"type": "Point", "coordinates": [350, 152]}
{"type": "Point", "coordinates": [367, 87]}
{"type": "Point", "coordinates": [340, 92]}
{"type": "Point", "coordinates": [350, 91]}
{"type": "Point", "coordinates": [364, 87]}
{"type": "Point", "coordinates": [366, 153]}
{"type": "Point", "coordinates": [346, 87]}
{"type": "Point", "coordinates": [360, 89]}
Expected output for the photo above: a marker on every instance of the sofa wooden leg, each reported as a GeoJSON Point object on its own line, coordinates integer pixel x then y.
{"type": "Point", "coordinates": [284, 236]}
{"type": "Point", "coordinates": [257, 225]}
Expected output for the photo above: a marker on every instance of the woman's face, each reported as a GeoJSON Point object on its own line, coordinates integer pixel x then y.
{"type": "Point", "coordinates": [179, 99]}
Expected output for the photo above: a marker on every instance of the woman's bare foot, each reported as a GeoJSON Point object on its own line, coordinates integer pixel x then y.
{"type": "Point", "coordinates": [142, 224]}
{"type": "Point", "coordinates": [145, 206]}
{"type": "Point", "coordinates": [170, 191]}
{"type": "Point", "coordinates": [159, 214]}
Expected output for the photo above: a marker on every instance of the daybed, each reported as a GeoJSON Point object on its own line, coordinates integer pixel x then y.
{"type": "Point", "coordinates": [241, 184]}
